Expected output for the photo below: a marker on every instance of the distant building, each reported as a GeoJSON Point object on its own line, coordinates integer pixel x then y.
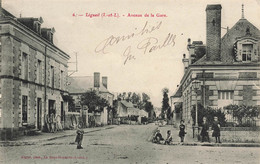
{"type": "Point", "coordinates": [127, 112]}
{"type": "Point", "coordinates": [227, 68]}
{"type": "Point", "coordinates": [81, 84]}
{"type": "Point", "coordinates": [33, 75]}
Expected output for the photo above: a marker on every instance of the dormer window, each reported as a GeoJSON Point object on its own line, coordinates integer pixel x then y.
{"type": "Point", "coordinates": [37, 27]}
{"type": "Point", "coordinates": [245, 49]}
{"type": "Point", "coordinates": [51, 36]}
{"type": "Point", "coordinates": [47, 33]}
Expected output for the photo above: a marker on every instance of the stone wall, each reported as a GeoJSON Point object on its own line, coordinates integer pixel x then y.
{"type": "Point", "coordinates": [239, 134]}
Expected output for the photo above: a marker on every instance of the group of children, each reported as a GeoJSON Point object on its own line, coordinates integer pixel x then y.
{"type": "Point", "coordinates": [204, 132]}
{"type": "Point", "coordinates": [158, 136]}
{"type": "Point", "coordinates": [205, 129]}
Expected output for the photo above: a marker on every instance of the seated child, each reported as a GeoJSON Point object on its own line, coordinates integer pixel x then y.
{"type": "Point", "coordinates": [157, 137]}
{"type": "Point", "coordinates": [168, 139]}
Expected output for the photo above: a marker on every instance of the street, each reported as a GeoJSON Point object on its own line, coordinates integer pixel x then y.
{"type": "Point", "coordinates": [124, 144]}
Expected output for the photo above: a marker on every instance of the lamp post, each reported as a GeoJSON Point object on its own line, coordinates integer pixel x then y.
{"type": "Point", "coordinates": [196, 85]}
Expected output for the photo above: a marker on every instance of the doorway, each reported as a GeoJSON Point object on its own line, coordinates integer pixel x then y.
{"type": "Point", "coordinates": [39, 113]}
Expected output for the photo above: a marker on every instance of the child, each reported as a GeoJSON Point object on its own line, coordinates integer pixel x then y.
{"type": "Point", "coordinates": [216, 129]}
{"type": "Point", "coordinates": [79, 137]}
{"type": "Point", "coordinates": [204, 131]}
{"type": "Point", "coordinates": [158, 137]}
{"type": "Point", "coordinates": [168, 139]}
{"type": "Point", "coordinates": [182, 130]}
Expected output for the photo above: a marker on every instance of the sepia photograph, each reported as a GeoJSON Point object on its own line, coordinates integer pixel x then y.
{"type": "Point", "coordinates": [130, 81]}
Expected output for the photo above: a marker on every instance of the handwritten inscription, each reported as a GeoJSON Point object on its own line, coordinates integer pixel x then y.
{"type": "Point", "coordinates": [148, 44]}
{"type": "Point", "coordinates": [151, 44]}
{"type": "Point", "coordinates": [113, 40]}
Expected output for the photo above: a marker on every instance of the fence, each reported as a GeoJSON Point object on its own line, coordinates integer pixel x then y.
{"type": "Point", "coordinates": [245, 121]}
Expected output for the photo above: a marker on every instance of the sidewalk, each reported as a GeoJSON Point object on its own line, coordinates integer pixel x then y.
{"type": "Point", "coordinates": [190, 141]}
{"type": "Point", "coordinates": [40, 137]}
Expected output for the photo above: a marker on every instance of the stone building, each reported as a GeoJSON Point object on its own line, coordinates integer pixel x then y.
{"type": "Point", "coordinates": [33, 75]}
{"type": "Point", "coordinates": [227, 68]}
{"type": "Point", "coordinates": [78, 85]}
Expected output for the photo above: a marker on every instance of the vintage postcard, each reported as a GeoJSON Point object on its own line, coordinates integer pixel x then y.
{"type": "Point", "coordinates": [130, 81]}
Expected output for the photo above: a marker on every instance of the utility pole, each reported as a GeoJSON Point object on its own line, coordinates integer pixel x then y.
{"type": "Point", "coordinates": [75, 62]}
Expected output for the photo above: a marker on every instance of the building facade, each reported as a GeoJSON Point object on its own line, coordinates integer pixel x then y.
{"type": "Point", "coordinates": [78, 85]}
{"type": "Point", "coordinates": [227, 68]}
{"type": "Point", "coordinates": [33, 75]}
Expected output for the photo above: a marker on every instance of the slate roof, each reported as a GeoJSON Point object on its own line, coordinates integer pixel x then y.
{"type": "Point", "coordinates": [127, 104]}
{"type": "Point", "coordinates": [228, 40]}
{"type": "Point", "coordinates": [82, 84]}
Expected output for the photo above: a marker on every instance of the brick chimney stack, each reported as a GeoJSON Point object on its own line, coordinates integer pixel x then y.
{"type": "Point", "coordinates": [104, 81]}
{"type": "Point", "coordinates": [96, 79]}
{"type": "Point", "coordinates": [213, 40]}
{"type": "Point", "coordinates": [1, 10]}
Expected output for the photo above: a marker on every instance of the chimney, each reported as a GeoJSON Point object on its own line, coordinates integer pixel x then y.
{"type": "Point", "coordinates": [104, 81]}
{"type": "Point", "coordinates": [213, 26]}
{"type": "Point", "coordinates": [1, 10]}
{"type": "Point", "coordinates": [185, 62]}
{"type": "Point", "coordinates": [96, 79]}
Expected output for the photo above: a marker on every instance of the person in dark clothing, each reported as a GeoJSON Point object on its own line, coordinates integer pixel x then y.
{"type": "Point", "coordinates": [157, 137]}
{"type": "Point", "coordinates": [182, 130]}
{"type": "Point", "coordinates": [204, 131]}
{"type": "Point", "coordinates": [168, 139]}
{"type": "Point", "coordinates": [79, 137]}
{"type": "Point", "coordinates": [216, 129]}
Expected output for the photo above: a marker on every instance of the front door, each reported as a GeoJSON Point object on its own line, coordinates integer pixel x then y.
{"type": "Point", "coordinates": [39, 113]}
{"type": "Point", "coordinates": [52, 107]}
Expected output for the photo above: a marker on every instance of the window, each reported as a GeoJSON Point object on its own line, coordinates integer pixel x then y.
{"type": "Point", "coordinates": [52, 77]}
{"type": "Point", "coordinates": [25, 66]}
{"type": "Point", "coordinates": [225, 95]}
{"type": "Point", "coordinates": [247, 50]}
{"type": "Point", "coordinates": [24, 109]}
{"type": "Point", "coordinates": [37, 27]}
{"type": "Point", "coordinates": [39, 72]}
{"type": "Point", "coordinates": [61, 79]}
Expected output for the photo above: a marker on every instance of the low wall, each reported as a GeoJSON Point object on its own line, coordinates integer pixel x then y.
{"type": "Point", "coordinates": [71, 120]}
{"type": "Point", "coordinates": [238, 134]}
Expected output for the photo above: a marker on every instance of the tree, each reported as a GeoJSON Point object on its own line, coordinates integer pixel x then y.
{"type": "Point", "coordinates": [129, 96]}
{"type": "Point", "coordinates": [145, 97]}
{"type": "Point", "coordinates": [135, 99]}
{"type": "Point", "coordinates": [93, 101]}
{"type": "Point", "coordinates": [148, 107]}
{"type": "Point", "coordinates": [165, 103]}
{"type": "Point", "coordinates": [209, 113]}
{"type": "Point", "coordinates": [242, 111]}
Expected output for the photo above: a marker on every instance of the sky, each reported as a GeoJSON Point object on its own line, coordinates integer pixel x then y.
{"type": "Point", "coordinates": [150, 59]}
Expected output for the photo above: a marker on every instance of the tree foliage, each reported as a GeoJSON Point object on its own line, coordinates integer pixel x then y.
{"type": "Point", "coordinates": [209, 113]}
{"type": "Point", "coordinates": [242, 111]}
{"type": "Point", "coordinates": [166, 109]}
{"type": "Point", "coordinates": [93, 101]}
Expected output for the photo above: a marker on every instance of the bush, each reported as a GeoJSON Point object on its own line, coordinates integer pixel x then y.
{"type": "Point", "coordinates": [209, 113]}
{"type": "Point", "coordinates": [243, 112]}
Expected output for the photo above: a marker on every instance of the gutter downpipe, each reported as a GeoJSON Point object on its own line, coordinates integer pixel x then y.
{"type": "Point", "coordinates": [45, 81]}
